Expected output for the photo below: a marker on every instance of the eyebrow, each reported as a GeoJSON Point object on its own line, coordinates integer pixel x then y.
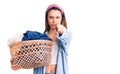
{"type": "Point", "coordinates": [53, 16]}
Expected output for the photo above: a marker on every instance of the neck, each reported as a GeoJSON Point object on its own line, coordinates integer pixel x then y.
{"type": "Point", "coordinates": [52, 34]}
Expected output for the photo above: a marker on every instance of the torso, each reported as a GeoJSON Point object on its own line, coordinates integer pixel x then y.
{"type": "Point", "coordinates": [51, 67]}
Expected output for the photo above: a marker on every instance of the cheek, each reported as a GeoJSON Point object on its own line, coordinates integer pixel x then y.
{"type": "Point", "coordinates": [59, 20]}
{"type": "Point", "coordinates": [49, 21]}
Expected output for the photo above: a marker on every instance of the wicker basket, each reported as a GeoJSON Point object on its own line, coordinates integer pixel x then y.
{"type": "Point", "coordinates": [30, 54]}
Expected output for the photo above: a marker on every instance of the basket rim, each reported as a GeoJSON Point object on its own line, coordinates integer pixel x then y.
{"type": "Point", "coordinates": [29, 41]}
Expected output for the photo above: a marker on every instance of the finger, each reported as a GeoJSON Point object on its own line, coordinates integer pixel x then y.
{"type": "Point", "coordinates": [56, 28]}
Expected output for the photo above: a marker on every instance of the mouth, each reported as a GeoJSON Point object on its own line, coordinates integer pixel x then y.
{"type": "Point", "coordinates": [54, 25]}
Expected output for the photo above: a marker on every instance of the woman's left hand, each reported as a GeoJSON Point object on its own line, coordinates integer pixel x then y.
{"type": "Point", "coordinates": [60, 29]}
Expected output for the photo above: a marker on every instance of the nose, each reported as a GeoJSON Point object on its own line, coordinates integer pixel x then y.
{"type": "Point", "coordinates": [54, 20]}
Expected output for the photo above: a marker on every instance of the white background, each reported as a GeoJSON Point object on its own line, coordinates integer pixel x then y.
{"type": "Point", "coordinates": [95, 24]}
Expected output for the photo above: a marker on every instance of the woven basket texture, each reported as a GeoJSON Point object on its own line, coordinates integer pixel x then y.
{"type": "Point", "coordinates": [30, 54]}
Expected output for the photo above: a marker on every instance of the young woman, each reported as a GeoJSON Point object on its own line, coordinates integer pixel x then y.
{"type": "Point", "coordinates": [56, 29]}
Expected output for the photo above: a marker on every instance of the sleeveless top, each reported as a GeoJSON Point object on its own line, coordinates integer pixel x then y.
{"type": "Point", "coordinates": [54, 53]}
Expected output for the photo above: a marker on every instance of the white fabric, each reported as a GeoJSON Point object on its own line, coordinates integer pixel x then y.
{"type": "Point", "coordinates": [16, 38]}
{"type": "Point", "coordinates": [54, 53]}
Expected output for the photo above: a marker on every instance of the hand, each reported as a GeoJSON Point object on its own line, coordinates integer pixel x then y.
{"type": "Point", "coordinates": [60, 28]}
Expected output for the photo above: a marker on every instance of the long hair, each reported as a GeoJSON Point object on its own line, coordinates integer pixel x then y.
{"type": "Point", "coordinates": [63, 21]}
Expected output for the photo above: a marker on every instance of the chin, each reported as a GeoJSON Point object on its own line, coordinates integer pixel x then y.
{"type": "Point", "coordinates": [53, 27]}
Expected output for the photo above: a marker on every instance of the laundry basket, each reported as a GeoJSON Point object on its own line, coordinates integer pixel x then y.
{"type": "Point", "coordinates": [30, 54]}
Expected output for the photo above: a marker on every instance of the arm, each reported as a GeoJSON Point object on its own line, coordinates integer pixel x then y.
{"type": "Point", "coordinates": [64, 39]}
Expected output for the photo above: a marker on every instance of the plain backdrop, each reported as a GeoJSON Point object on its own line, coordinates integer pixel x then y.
{"type": "Point", "coordinates": [95, 25]}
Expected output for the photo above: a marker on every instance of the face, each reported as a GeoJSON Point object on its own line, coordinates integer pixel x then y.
{"type": "Point", "coordinates": [54, 18]}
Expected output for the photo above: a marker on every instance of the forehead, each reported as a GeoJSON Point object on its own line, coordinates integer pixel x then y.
{"type": "Point", "coordinates": [54, 13]}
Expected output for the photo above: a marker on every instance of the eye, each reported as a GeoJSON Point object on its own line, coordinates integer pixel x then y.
{"type": "Point", "coordinates": [57, 17]}
{"type": "Point", "coordinates": [50, 17]}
